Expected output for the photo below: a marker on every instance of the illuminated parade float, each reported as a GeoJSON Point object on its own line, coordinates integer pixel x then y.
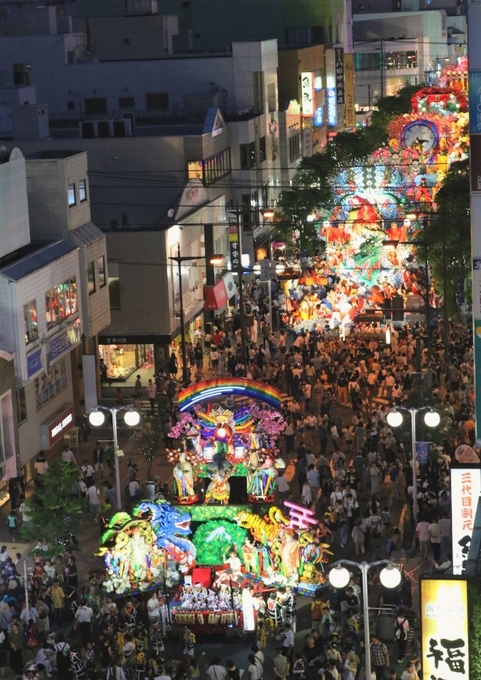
{"type": "Point", "coordinates": [224, 537]}
{"type": "Point", "coordinates": [365, 263]}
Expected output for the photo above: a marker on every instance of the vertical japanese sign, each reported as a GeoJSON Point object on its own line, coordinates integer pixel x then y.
{"type": "Point", "coordinates": [444, 624]}
{"type": "Point", "coordinates": [465, 490]}
{"type": "Point", "coordinates": [349, 90]}
{"type": "Point", "coordinates": [307, 93]}
{"type": "Point", "coordinates": [234, 239]}
{"type": "Point", "coordinates": [339, 73]}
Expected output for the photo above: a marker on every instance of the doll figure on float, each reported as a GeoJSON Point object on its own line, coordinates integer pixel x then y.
{"type": "Point", "coordinates": [261, 479]}
{"type": "Point", "coordinates": [233, 574]}
{"type": "Point", "coordinates": [184, 481]}
{"type": "Point", "coordinates": [218, 490]}
{"type": "Point", "coordinates": [290, 553]}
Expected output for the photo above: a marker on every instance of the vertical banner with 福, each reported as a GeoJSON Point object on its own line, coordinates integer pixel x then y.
{"type": "Point", "coordinates": [444, 625]}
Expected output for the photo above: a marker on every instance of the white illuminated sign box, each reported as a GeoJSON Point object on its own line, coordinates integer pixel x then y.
{"type": "Point", "coordinates": [465, 490]}
{"type": "Point", "coordinates": [307, 93]}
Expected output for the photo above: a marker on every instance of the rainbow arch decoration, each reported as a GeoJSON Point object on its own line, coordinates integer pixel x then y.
{"type": "Point", "coordinates": [206, 390]}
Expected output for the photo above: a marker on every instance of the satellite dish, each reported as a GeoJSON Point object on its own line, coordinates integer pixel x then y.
{"type": "Point", "coordinates": [171, 212]}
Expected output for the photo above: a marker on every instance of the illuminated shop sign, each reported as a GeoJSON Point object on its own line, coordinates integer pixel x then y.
{"type": "Point", "coordinates": [307, 92]}
{"type": "Point", "coordinates": [444, 624]}
{"type": "Point", "coordinates": [331, 106]}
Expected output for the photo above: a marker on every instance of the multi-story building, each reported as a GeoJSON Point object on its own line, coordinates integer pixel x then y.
{"type": "Point", "coordinates": [395, 48]}
{"type": "Point", "coordinates": [46, 312]}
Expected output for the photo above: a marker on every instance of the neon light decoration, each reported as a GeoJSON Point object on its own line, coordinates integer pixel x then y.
{"type": "Point", "coordinates": [137, 549]}
{"type": "Point", "coordinates": [210, 390]}
{"type": "Point", "coordinates": [300, 516]}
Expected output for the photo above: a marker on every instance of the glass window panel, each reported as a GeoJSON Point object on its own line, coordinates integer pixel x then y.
{"type": "Point", "coordinates": [72, 199]}
{"type": "Point", "coordinates": [101, 271]}
{"type": "Point", "coordinates": [91, 277]}
{"type": "Point", "coordinates": [82, 190]}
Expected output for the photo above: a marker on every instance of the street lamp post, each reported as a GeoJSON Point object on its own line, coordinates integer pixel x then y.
{"type": "Point", "coordinates": [131, 418]}
{"type": "Point", "coordinates": [179, 259]}
{"type": "Point", "coordinates": [390, 577]}
{"type": "Point", "coordinates": [431, 419]}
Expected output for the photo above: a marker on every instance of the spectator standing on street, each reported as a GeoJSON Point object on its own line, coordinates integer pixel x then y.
{"type": "Point", "coordinates": [151, 395]}
{"type": "Point", "coordinates": [68, 456]}
{"type": "Point", "coordinates": [216, 671]}
{"type": "Point", "coordinates": [12, 521]}
{"type": "Point", "coordinates": [380, 657]}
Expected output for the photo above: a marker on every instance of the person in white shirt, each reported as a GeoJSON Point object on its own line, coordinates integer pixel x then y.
{"type": "Point", "coordinates": [67, 456]}
{"type": "Point", "coordinates": [83, 619]}
{"type": "Point", "coordinates": [134, 489]}
{"type": "Point", "coordinates": [216, 671]}
{"type": "Point", "coordinates": [153, 608]}
{"type": "Point", "coordinates": [93, 497]}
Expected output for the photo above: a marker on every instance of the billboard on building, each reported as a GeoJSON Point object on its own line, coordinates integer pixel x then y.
{"type": "Point", "coordinates": [349, 91]}
{"type": "Point", "coordinates": [307, 93]}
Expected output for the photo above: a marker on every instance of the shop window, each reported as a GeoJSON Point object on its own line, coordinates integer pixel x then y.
{"type": "Point", "coordinates": [7, 442]}
{"type": "Point", "coordinates": [72, 197]}
{"type": "Point", "coordinates": [114, 285]}
{"type": "Point", "coordinates": [91, 277]}
{"type": "Point", "coordinates": [194, 170]}
{"type": "Point", "coordinates": [31, 322]}
{"type": "Point", "coordinates": [101, 271]}
{"type": "Point", "coordinates": [82, 190]}
{"type": "Point", "coordinates": [157, 100]}
{"type": "Point", "coordinates": [126, 102]}
{"type": "Point", "coordinates": [95, 105]}
{"type": "Point", "coordinates": [262, 149]}
{"type": "Point", "coordinates": [61, 302]}
{"type": "Point", "coordinates": [50, 383]}
{"type": "Point", "coordinates": [21, 405]}
{"type": "Point", "coordinates": [247, 156]}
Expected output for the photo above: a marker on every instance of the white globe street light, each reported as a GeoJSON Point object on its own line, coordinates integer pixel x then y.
{"type": "Point", "coordinates": [339, 576]}
{"type": "Point", "coordinates": [390, 577]}
{"type": "Point", "coordinates": [394, 418]}
{"type": "Point", "coordinates": [96, 418]}
{"type": "Point", "coordinates": [131, 418]}
{"type": "Point", "coordinates": [432, 419]}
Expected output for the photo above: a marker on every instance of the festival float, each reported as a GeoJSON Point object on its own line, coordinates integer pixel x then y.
{"type": "Point", "coordinates": [225, 469]}
{"type": "Point", "coordinates": [366, 262]}
{"type": "Point", "coordinates": [224, 538]}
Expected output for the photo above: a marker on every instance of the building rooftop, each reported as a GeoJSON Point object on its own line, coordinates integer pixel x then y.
{"type": "Point", "coordinates": [33, 257]}
{"type": "Point", "coordinates": [51, 154]}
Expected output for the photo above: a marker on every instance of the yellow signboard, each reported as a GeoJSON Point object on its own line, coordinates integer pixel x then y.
{"type": "Point", "coordinates": [444, 623]}
{"type": "Point", "coordinates": [349, 90]}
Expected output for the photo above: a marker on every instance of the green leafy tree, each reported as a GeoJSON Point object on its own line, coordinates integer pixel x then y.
{"type": "Point", "coordinates": [448, 235]}
{"type": "Point", "coordinates": [54, 509]}
{"type": "Point", "coordinates": [150, 435]}
{"type": "Point", "coordinates": [316, 174]}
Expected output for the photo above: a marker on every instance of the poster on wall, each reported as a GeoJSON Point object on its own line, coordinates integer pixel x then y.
{"type": "Point", "coordinates": [444, 625]}
{"type": "Point", "coordinates": [465, 490]}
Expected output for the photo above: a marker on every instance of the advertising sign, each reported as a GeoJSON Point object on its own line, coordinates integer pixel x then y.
{"type": "Point", "coordinates": [339, 73]}
{"type": "Point", "coordinates": [444, 625]}
{"type": "Point", "coordinates": [307, 93]}
{"type": "Point", "coordinates": [465, 490]}
{"type": "Point", "coordinates": [331, 106]}
{"type": "Point", "coordinates": [234, 240]}
{"type": "Point", "coordinates": [349, 91]}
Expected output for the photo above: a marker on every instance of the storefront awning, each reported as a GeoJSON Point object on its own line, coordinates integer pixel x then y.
{"type": "Point", "coordinates": [215, 296]}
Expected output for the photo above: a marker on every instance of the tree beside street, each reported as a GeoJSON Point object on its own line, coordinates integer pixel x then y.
{"type": "Point", "coordinates": [55, 509]}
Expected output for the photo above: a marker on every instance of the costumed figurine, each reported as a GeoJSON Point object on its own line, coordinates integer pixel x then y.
{"type": "Point", "coordinates": [184, 481]}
